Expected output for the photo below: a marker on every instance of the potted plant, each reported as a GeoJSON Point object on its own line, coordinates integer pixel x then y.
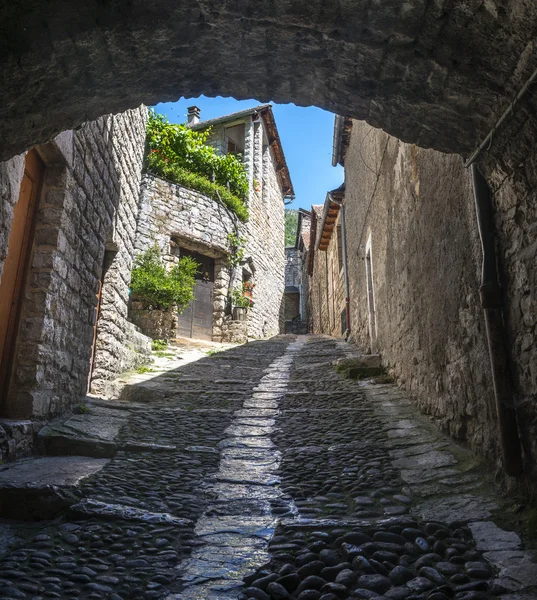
{"type": "Point", "coordinates": [240, 303]}
{"type": "Point", "coordinates": [248, 289]}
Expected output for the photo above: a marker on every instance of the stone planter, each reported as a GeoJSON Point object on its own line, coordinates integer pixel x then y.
{"type": "Point", "coordinates": [155, 323]}
{"type": "Point", "coordinates": [239, 313]}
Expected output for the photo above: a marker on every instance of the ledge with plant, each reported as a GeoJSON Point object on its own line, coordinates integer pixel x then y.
{"type": "Point", "coordinates": [181, 155]}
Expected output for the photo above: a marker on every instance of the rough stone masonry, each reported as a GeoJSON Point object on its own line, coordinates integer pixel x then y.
{"type": "Point", "coordinates": [435, 73]}
{"type": "Point", "coordinates": [87, 205]}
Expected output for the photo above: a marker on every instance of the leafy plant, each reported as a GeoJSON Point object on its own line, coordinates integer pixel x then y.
{"type": "Point", "coordinates": [143, 369]}
{"type": "Point", "coordinates": [239, 300]}
{"type": "Point", "coordinates": [153, 284]}
{"type": "Point", "coordinates": [291, 224]}
{"type": "Point", "coordinates": [182, 155]}
{"type": "Point", "coordinates": [236, 244]}
{"type": "Point", "coordinates": [213, 351]}
{"type": "Point", "coordinates": [159, 344]}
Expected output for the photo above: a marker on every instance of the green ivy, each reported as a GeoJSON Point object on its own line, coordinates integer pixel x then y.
{"type": "Point", "coordinates": [237, 244]}
{"type": "Point", "coordinates": [153, 284]}
{"type": "Point", "coordinates": [182, 155]}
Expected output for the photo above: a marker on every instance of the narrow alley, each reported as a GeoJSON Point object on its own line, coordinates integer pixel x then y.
{"type": "Point", "coordinates": [260, 472]}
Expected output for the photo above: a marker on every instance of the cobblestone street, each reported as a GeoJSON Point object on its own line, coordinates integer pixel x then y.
{"type": "Point", "coordinates": [259, 472]}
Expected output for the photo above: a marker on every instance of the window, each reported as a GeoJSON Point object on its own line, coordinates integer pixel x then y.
{"type": "Point", "coordinates": [232, 147]}
{"type": "Point", "coordinates": [339, 248]}
{"type": "Point", "coordinates": [234, 139]}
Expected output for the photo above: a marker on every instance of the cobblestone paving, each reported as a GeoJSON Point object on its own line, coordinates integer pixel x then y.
{"type": "Point", "coordinates": [383, 507]}
{"type": "Point", "coordinates": [260, 473]}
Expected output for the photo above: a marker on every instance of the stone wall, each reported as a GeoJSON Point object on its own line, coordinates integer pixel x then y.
{"type": "Point", "coordinates": [81, 194]}
{"type": "Point", "coordinates": [293, 267]}
{"type": "Point", "coordinates": [170, 211]}
{"type": "Point", "coordinates": [438, 74]}
{"type": "Point", "coordinates": [113, 353]}
{"type": "Point", "coordinates": [327, 287]}
{"type": "Point", "coordinates": [264, 232]}
{"type": "Point", "coordinates": [11, 173]}
{"type": "Point", "coordinates": [172, 216]}
{"type": "Point", "coordinates": [515, 199]}
{"type": "Point", "coordinates": [156, 324]}
{"type": "Point", "coordinates": [415, 208]}
{"type": "Point", "coordinates": [203, 225]}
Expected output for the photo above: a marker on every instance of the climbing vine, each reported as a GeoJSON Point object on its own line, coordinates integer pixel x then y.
{"type": "Point", "coordinates": [182, 155]}
{"type": "Point", "coordinates": [236, 245]}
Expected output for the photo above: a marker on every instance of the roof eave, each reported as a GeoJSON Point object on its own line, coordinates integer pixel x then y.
{"type": "Point", "coordinates": [276, 146]}
{"type": "Point", "coordinates": [332, 206]}
{"type": "Point", "coordinates": [341, 139]}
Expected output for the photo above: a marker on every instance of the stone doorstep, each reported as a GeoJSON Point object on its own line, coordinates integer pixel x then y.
{"type": "Point", "coordinates": [91, 434]}
{"type": "Point", "coordinates": [35, 489]}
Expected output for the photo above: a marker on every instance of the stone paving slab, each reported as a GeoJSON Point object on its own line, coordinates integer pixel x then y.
{"type": "Point", "coordinates": [91, 434]}
{"type": "Point", "coordinates": [41, 488]}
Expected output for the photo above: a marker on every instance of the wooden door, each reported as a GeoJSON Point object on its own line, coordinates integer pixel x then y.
{"type": "Point", "coordinates": [16, 264]}
{"type": "Point", "coordinates": [196, 320]}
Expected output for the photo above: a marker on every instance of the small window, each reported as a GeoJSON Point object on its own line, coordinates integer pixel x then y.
{"type": "Point", "coordinates": [232, 147]}
{"type": "Point", "coordinates": [247, 284]}
{"type": "Point", "coordinates": [234, 139]}
{"type": "Point", "coordinates": [339, 248]}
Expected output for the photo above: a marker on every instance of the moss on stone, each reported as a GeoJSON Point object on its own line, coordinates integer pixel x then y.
{"type": "Point", "coordinates": [361, 372]}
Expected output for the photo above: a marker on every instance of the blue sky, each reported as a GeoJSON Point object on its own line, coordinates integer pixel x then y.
{"type": "Point", "coordinates": [305, 133]}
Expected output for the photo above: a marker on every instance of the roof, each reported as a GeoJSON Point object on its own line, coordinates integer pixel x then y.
{"type": "Point", "coordinates": [231, 117]}
{"type": "Point", "coordinates": [265, 112]}
{"type": "Point", "coordinates": [332, 206]}
{"type": "Point", "coordinates": [342, 136]}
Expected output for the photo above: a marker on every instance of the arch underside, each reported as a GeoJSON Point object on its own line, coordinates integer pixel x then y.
{"type": "Point", "coordinates": [433, 72]}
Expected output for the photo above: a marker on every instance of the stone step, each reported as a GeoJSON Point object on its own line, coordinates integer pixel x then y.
{"type": "Point", "coordinates": [92, 433]}
{"type": "Point", "coordinates": [34, 489]}
{"type": "Point", "coordinates": [89, 507]}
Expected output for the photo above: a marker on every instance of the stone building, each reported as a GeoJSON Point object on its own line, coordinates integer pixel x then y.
{"type": "Point", "coordinates": [326, 267]}
{"type": "Point", "coordinates": [67, 219]}
{"type": "Point", "coordinates": [182, 222]}
{"type": "Point", "coordinates": [296, 298]}
{"type": "Point", "coordinates": [414, 267]}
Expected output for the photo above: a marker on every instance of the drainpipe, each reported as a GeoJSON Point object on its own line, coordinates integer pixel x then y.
{"type": "Point", "coordinates": [491, 302]}
{"type": "Point", "coordinates": [345, 267]}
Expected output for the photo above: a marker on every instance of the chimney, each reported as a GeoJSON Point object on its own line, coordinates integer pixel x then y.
{"type": "Point", "coordinates": [193, 115]}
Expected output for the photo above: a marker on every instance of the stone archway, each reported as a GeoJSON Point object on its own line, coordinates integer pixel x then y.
{"type": "Point", "coordinates": [437, 73]}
